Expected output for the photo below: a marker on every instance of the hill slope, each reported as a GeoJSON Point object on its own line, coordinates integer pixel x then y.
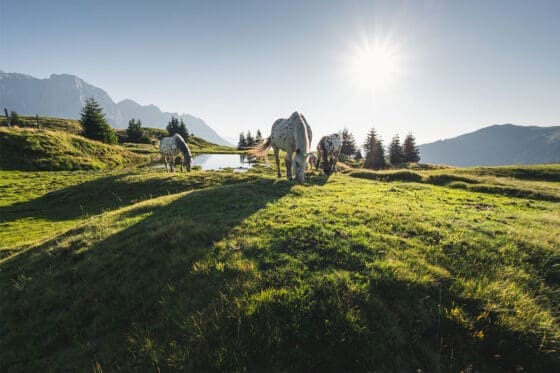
{"type": "Point", "coordinates": [63, 95]}
{"type": "Point", "coordinates": [217, 271]}
{"type": "Point", "coordinates": [45, 150]}
{"type": "Point", "coordinates": [496, 145]}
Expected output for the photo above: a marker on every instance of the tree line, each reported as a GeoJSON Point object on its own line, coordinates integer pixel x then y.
{"type": "Point", "coordinates": [376, 155]}
{"type": "Point", "coordinates": [248, 141]}
{"type": "Point", "coordinates": [95, 126]}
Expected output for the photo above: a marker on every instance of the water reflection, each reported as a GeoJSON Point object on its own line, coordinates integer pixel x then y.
{"type": "Point", "coordinates": [238, 162]}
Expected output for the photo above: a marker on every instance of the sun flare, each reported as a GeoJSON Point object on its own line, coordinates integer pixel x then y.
{"type": "Point", "coordinates": [374, 66]}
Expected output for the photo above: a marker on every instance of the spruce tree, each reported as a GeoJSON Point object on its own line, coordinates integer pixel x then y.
{"type": "Point", "coordinates": [348, 143]}
{"type": "Point", "coordinates": [94, 124]}
{"type": "Point", "coordinates": [375, 153]}
{"type": "Point", "coordinates": [410, 150]}
{"type": "Point", "coordinates": [183, 131]}
{"type": "Point", "coordinates": [358, 155]}
{"type": "Point", "coordinates": [259, 137]}
{"type": "Point", "coordinates": [379, 157]}
{"type": "Point", "coordinates": [242, 144]}
{"type": "Point", "coordinates": [173, 126]}
{"type": "Point", "coordinates": [250, 139]}
{"type": "Point", "coordinates": [135, 133]}
{"type": "Point", "coordinates": [369, 147]}
{"type": "Point", "coordinates": [396, 156]}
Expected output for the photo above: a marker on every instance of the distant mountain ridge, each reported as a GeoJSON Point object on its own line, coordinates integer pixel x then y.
{"type": "Point", "coordinates": [496, 145]}
{"type": "Point", "coordinates": [63, 96]}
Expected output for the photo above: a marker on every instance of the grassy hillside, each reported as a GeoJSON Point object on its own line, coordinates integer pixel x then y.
{"type": "Point", "coordinates": [196, 144]}
{"type": "Point", "coordinates": [55, 124]}
{"type": "Point", "coordinates": [150, 271]}
{"type": "Point", "coordinates": [29, 149]}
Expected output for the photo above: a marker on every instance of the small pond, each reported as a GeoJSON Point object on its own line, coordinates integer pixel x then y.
{"type": "Point", "coordinates": [238, 162]}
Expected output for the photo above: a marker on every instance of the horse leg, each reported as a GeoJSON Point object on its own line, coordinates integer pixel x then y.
{"type": "Point", "coordinates": [165, 163]}
{"type": "Point", "coordinates": [172, 163]}
{"type": "Point", "coordinates": [277, 156]}
{"type": "Point", "coordinates": [182, 160]}
{"type": "Point", "coordinates": [289, 165]}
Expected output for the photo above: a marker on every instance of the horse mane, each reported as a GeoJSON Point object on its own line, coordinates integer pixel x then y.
{"type": "Point", "coordinates": [302, 138]}
{"type": "Point", "coordinates": [182, 145]}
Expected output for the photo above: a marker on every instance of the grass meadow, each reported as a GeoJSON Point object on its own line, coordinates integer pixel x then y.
{"type": "Point", "coordinates": [439, 270]}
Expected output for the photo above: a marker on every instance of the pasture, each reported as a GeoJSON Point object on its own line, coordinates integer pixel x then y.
{"type": "Point", "coordinates": [446, 269]}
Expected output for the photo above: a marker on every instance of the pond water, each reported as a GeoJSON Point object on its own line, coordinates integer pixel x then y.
{"type": "Point", "coordinates": [239, 162]}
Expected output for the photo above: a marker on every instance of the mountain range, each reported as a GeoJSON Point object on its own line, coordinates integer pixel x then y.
{"type": "Point", "coordinates": [63, 96]}
{"type": "Point", "coordinates": [496, 145]}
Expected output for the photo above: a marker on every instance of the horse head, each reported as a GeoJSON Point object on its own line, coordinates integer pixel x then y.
{"type": "Point", "coordinates": [300, 165]}
{"type": "Point", "coordinates": [188, 159]}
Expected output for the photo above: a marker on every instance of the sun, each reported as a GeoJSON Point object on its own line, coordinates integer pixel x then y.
{"type": "Point", "coordinates": [374, 65]}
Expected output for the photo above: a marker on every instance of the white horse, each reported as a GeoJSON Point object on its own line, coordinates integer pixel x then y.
{"type": "Point", "coordinates": [293, 135]}
{"type": "Point", "coordinates": [170, 147]}
{"type": "Point", "coordinates": [328, 150]}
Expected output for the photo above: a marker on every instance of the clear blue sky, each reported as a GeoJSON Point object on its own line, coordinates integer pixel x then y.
{"type": "Point", "coordinates": [458, 65]}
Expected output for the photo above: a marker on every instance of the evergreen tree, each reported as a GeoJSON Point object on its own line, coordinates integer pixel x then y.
{"type": "Point", "coordinates": [396, 156]}
{"type": "Point", "coordinates": [94, 124]}
{"type": "Point", "coordinates": [242, 144]}
{"type": "Point", "coordinates": [348, 143]}
{"type": "Point", "coordinates": [375, 154]}
{"type": "Point", "coordinates": [135, 133]}
{"type": "Point", "coordinates": [183, 131]}
{"type": "Point", "coordinates": [14, 118]}
{"type": "Point", "coordinates": [250, 139]}
{"type": "Point", "coordinates": [369, 148]}
{"type": "Point", "coordinates": [358, 156]}
{"type": "Point", "coordinates": [379, 156]}
{"type": "Point", "coordinates": [258, 138]}
{"type": "Point", "coordinates": [173, 126]}
{"type": "Point", "coordinates": [410, 150]}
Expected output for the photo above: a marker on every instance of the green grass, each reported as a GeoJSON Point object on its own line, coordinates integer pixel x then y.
{"type": "Point", "coordinates": [29, 149]}
{"type": "Point", "coordinates": [54, 124]}
{"type": "Point", "coordinates": [224, 271]}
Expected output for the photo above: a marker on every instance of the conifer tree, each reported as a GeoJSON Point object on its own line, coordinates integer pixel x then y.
{"type": "Point", "coordinates": [375, 153]}
{"type": "Point", "coordinates": [135, 133]}
{"type": "Point", "coordinates": [242, 144]}
{"type": "Point", "coordinates": [358, 155]}
{"type": "Point", "coordinates": [250, 139]}
{"type": "Point", "coordinates": [379, 156]}
{"type": "Point", "coordinates": [94, 124]}
{"type": "Point", "coordinates": [183, 131]}
{"type": "Point", "coordinates": [410, 150]}
{"type": "Point", "coordinates": [348, 143]}
{"type": "Point", "coordinates": [259, 137]}
{"type": "Point", "coordinates": [396, 156]}
{"type": "Point", "coordinates": [173, 126]}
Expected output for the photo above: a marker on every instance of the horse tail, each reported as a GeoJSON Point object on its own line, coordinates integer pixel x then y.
{"type": "Point", "coordinates": [261, 149]}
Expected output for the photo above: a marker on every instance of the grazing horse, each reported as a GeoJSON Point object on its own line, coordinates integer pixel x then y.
{"type": "Point", "coordinates": [293, 135]}
{"type": "Point", "coordinates": [328, 151]}
{"type": "Point", "coordinates": [170, 147]}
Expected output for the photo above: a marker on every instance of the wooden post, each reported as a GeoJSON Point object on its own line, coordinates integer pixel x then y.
{"type": "Point", "coordinates": [37, 121]}
{"type": "Point", "coordinates": [7, 117]}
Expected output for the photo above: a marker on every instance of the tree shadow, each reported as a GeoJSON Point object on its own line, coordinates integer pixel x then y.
{"type": "Point", "coordinates": [111, 192]}
{"type": "Point", "coordinates": [176, 286]}
{"type": "Point", "coordinates": [79, 293]}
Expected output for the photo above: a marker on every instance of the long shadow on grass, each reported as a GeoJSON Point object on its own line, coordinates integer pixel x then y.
{"type": "Point", "coordinates": [77, 299]}
{"type": "Point", "coordinates": [111, 192]}
{"type": "Point", "coordinates": [177, 291]}
{"type": "Point", "coordinates": [457, 182]}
